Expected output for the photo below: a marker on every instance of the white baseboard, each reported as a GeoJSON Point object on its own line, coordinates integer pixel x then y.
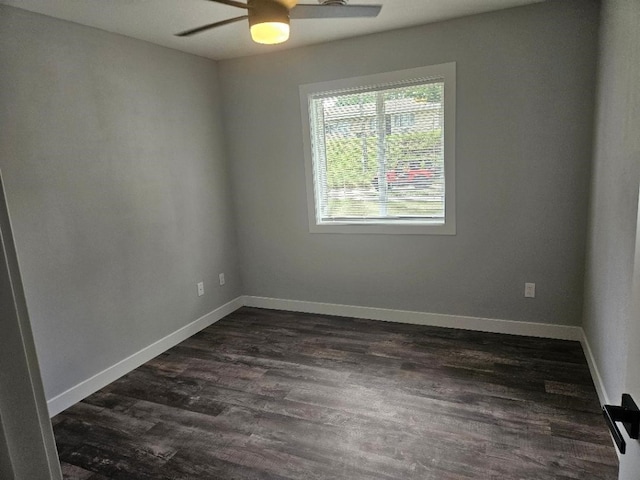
{"type": "Point", "coordinates": [85, 388]}
{"type": "Point", "coordinates": [100, 380]}
{"type": "Point", "coordinates": [603, 397]}
{"type": "Point", "coordinates": [593, 368]}
{"type": "Point", "coordinates": [531, 329]}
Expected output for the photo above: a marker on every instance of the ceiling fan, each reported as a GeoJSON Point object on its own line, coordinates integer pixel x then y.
{"type": "Point", "coordinates": [269, 19]}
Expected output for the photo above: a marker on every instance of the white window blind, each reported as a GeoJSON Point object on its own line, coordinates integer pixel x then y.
{"type": "Point", "coordinates": [378, 153]}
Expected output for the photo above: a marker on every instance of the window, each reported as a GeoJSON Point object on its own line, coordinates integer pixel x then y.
{"type": "Point", "coordinates": [405, 121]}
{"type": "Point", "coordinates": [379, 152]}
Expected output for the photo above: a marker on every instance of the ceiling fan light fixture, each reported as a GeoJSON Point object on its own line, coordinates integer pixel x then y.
{"type": "Point", "coordinates": [268, 21]}
{"type": "Point", "coordinates": [270, 33]}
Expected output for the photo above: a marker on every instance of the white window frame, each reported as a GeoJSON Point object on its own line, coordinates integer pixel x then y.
{"type": "Point", "coordinates": [445, 72]}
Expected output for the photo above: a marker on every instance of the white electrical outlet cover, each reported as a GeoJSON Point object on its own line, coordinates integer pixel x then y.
{"type": "Point", "coordinates": [530, 290]}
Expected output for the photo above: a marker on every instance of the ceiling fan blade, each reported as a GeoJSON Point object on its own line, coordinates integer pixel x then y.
{"type": "Point", "coordinates": [193, 31]}
{"type": "Point", "coordinates": [231, 3]}
{"type": "Point", "coordinates": [334, 11]}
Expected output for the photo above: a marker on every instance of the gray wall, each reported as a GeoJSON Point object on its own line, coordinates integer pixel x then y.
{"type": "Point", "coordinates": [614, 206]}
{"type": "Point", "coordinates": [115, 173]}
{"type": "Point", "coordinates": [525, 87]}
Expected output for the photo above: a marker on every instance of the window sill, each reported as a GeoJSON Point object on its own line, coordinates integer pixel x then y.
{"type": "Point", "coordinates": [385, 229]}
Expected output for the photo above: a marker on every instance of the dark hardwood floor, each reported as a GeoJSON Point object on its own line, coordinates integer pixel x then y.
{"type": "Point", "coordinates": [279, 395]}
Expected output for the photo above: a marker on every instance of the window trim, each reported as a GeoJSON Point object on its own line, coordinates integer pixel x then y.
{"type": "Point", "coordinates": [446, 72]}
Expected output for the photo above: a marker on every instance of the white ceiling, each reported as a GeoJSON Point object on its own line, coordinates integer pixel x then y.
{"type": "Point", "coordinates": [157, 21]}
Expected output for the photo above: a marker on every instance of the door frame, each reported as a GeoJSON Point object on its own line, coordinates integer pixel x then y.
{"type": "Point", "coordinates": [26, 426]}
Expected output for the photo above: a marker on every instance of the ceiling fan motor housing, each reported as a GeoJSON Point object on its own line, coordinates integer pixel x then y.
{"type": "Point", "coordinates": [263, 11]}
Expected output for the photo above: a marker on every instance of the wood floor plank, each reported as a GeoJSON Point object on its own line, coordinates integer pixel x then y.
{"type": "Point", "coordinates": [276, 395]}
{"type": "Point", "coordinates": [73, 472]}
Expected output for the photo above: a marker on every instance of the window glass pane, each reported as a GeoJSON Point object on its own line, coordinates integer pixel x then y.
{"type": "Point", "coordinates": [379, 154]}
